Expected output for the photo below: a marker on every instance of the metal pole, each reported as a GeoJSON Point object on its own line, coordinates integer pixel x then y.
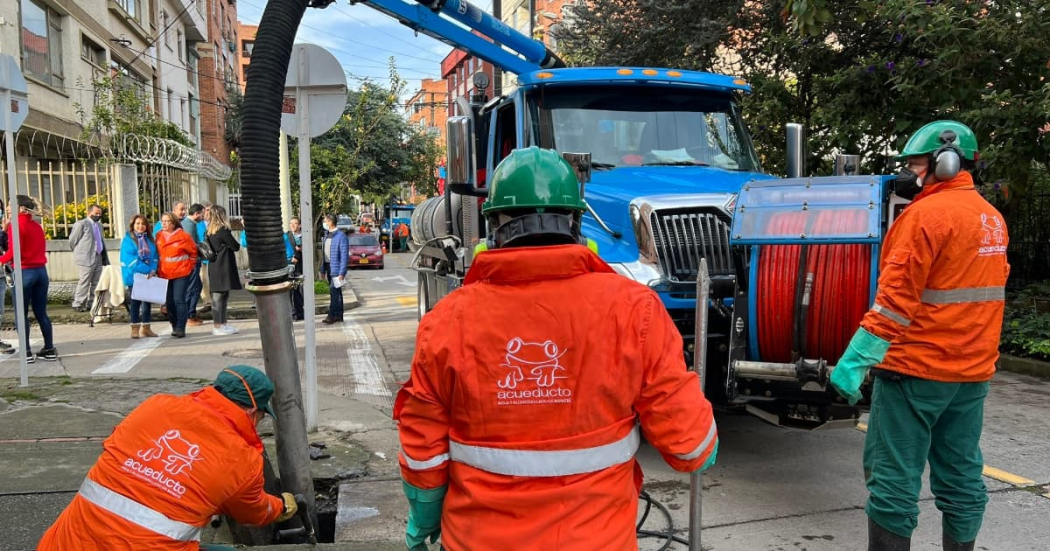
{"type": "Point", "coordinates": [306, 215]}
{"type": "Point", "coordinates": [696, 478]}
{"type": "Point", "coordinates": [12, 203]}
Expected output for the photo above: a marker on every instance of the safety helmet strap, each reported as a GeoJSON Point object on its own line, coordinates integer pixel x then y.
{"type": "Point", "coordinates": [552, 226]}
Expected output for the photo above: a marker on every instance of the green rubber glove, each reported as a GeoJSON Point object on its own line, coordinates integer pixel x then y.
{"type": "Point", "coordinates": [864, 352]}
{"type": "Point", "coordinates": [424, 515]}
{"type": "Point", "coordinates": [710, 459]}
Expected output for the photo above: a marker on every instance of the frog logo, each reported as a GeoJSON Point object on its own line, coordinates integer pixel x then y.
{"type": "Point", "coordinates": [535, 361]}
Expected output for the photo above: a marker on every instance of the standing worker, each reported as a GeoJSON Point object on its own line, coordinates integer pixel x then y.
{"type": "Point", "coordinates": [933, 334]}
{"type": "Point", "coordinates": [89, 253]}
{"type": "Point", "coordinates": [402, 236]}
{"type": "Point", "coordinates": [526, 431]}
{"type": "Point", "coordinates": [172, 464]}
{"type": "Point", "coordinates": [336, 247]}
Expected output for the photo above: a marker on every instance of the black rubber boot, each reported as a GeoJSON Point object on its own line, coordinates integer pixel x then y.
{"type": "Point", "coordinates": [952, 545]}
{"type": "Point", "coordinates": [881, 539]}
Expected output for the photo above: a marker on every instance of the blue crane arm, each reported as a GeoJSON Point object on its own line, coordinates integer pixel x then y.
{"type": "Point", "coordinates": [426, 16]}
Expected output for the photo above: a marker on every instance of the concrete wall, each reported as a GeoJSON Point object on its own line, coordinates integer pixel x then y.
{"type": "Point", "coordinates": [60, 264]}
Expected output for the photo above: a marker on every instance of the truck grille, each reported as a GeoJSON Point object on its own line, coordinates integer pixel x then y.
{"type": "Point", "coordinates": [683, 236]}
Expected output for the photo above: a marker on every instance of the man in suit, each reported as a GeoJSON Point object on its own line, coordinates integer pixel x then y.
{"type": "Point", "coordinates": [89, 252]}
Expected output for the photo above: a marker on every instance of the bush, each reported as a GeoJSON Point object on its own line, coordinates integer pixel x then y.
{"type": "Point", "coordinates": [320, 287]}
{"type": "Point", "coordinates": [1026, 328]}
{"type": "Point", "coordinates": [71, 213]}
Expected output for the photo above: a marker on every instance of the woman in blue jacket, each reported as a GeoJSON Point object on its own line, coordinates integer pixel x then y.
{"type": "Point", "coordinates": [138, 255]}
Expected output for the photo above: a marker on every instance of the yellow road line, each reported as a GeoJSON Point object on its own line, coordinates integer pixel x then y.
{"type": "Point", "coordinates": [1003, 476]}
{"type": "Point", "coordinates": [990, 472]}
{"type": "Point", "coordinates": [407, 301]}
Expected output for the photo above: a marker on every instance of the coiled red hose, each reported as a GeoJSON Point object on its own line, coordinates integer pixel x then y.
{"type": "Point", "coordinates": [839, 297]}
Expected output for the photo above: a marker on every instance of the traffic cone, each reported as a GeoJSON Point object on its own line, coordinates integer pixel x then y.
{"type": "Point", "coordinates": [384, 247]}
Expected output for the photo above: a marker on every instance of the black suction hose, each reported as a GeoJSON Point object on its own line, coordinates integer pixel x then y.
{"type": "Point", "coordinates": [264, 92]}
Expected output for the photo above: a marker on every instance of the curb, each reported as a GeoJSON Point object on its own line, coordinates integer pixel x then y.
{"type": "Point", "coordinates": [1024, 366]}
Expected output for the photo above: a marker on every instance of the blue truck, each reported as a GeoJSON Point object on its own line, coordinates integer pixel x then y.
{"type": "Point", "coordinates": [670, 177]}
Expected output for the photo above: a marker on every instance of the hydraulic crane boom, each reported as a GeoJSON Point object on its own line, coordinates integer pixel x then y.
{"type": "Point", "coordinates": [509, 50]}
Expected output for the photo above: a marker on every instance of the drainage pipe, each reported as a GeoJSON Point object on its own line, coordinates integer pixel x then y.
{"type": "Point", "coordinates": [268, 266]}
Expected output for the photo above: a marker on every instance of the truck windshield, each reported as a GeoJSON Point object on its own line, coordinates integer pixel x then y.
{"type": "Point", "coordinates": [639, 126]}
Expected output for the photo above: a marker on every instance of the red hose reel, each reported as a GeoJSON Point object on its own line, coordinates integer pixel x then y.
{"type": "Point", "coordinates": [840, 292]}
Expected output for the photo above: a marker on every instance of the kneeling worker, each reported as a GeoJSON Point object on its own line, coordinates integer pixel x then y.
{"type": "Point", "coordinates": [523, 434]}
{"type": "Point", "coordinates": [173, 463]}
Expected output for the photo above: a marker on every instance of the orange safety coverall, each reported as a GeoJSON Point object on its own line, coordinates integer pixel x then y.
{"type": "Point", "coordinates": [943, 278]}
{"type": "Point", "coordinates": [178, 254]}
{"type": "Point", "coordinates": [533, 420]}
{"type": "Point", "coordinates": [167, 468]}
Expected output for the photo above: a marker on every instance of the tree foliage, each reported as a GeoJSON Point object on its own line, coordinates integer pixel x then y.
{"type": "Point", "coordinates": [863, 76]}
{"type": "Point", "coordinates": [369, 152]}
{"type": "Point", "coordinates": [121, 106]}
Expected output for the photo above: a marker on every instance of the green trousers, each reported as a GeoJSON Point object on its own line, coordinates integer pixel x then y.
{"type": "Point", "coordinates": [913, 421]}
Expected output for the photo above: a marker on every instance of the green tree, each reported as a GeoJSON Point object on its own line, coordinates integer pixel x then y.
{"type": "Point", "coordinates": [121, 106]}
{"type": "Point", "coordinates": [369, 152]}
{"type": "Point", "coordinates": [863, 76]}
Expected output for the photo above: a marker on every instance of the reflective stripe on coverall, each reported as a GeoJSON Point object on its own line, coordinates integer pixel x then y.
{"type": "Point", "coordinates": [940, 304]}
{"type": "Point", "coordinates": [167, 468]}
{"type": "Point", "coordinates": [530, 389]}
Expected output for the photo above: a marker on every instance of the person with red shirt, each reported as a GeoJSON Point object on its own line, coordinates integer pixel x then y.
{"type": "Point", "coordinates": [34, 276]}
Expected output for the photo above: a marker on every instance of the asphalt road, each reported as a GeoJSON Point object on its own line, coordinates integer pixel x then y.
{"type": "Point", "coordinates": [772, 489]}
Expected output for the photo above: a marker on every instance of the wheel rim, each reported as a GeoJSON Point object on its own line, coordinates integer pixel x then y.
{"type": "Point", "coordinates": [421, 298]}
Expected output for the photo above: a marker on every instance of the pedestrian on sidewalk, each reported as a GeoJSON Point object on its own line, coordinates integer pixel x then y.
{"type": "Point", "coordinates": [931, 341]}
{"type": "Point", "coordinates": [202, 233]}
{"type": "Point", "coordinates": [527, 430]}
{"type": "Point", "coordinates": [336, 248]}
{"type": "Point", "coordinates": [89, 253]}
{"type": "Point", "coordinates": [294, 237]}
{"type": "Point", "coordinates": [193, 291]}
{"type": "Point", "coordinates": [222, 272]}
{"type": "Point", "coordinates": [5, 348]}
{"type": "Point", "coordinates": [35, 281]}
{"type": "Point", "coordinates": [138, 255]}
{"type": "Point", "coordinates": [178, 261]}
{"type": "Point", "coordinates": [170, 465]}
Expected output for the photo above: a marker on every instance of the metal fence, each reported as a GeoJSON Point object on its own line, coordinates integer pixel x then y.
{"type": "Point", "coordinates": [233, 208]}
{"type": "Point", "coordinates": [1029, 251]}
{"type": "Point", "coordinates": [160, 187]}
{"type": "Point", "coordinates": [65, 188]}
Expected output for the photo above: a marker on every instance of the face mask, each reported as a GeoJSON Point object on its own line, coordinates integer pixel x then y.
{"type": "Point", "coordinates": [96, 217]}
{"type": "Point", "coordinates": [907, 184]}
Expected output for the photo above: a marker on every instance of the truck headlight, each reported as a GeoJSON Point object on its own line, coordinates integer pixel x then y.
{"type": "Point", "coordinates": [642, 273]}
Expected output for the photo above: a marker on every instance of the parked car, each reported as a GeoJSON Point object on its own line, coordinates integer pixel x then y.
{"type": "Point", "coordinates": [365, 251]}
{"type": "Point", "coordinates": [345, 224]}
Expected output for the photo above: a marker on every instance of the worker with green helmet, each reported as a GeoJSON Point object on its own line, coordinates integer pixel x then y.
{"type": "Point", "coordinates": [930, 341]}
{"type": "Point", "coordinates": [532, 383]}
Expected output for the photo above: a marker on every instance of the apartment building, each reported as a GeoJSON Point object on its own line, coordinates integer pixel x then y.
{"type": "Point", "coordinates": [246, 35]}
{"type": "Point", "coordinates": [219, 69]}
{"type": "Point", "coordinates": [427, 109]}
{"type": "Point", "coordinates": [458, 70]}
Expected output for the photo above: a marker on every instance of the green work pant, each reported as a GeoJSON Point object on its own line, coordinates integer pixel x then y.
{"type": "Point", "coordinates": [913, 421]}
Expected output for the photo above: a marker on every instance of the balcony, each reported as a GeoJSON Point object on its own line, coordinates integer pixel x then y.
{"type": "Point", "coordinates": [196, 20]}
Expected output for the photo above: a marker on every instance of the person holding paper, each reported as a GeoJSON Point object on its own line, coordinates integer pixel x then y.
{"type": "Point", "coordinates": [178, 262]}
{"type": "Point", "coordinates": [336, 248]}
{"type": "Point", "coordinates": [138, 255]}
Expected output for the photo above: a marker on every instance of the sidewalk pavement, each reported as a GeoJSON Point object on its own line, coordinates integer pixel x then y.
{"type": "Point", "coordinates": [241, 306]}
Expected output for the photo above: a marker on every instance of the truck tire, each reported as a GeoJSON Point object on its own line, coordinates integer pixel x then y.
{"type": "Point", "coordinates": [422, 297]}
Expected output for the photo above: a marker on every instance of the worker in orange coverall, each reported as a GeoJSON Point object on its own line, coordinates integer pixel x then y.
{"type": "Point", "coordinates": [171, 465]}
{"type": "Point", "coordinates": [523, 434]}
{"type": "Point", "coordinates": [931, 341]}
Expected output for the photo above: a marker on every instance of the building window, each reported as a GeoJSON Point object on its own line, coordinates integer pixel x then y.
{"type": "Point", "coordinates": [164, 28]}
{"type": "Point", "coordinates": [92, 52]}
{"type": "Point", "coordinates": [249, 45]}
{"type": "Point", "coordinates": [131, 7]}
{"type": "Point", "coordinates": [171, 105]}
{"type": "Point", "coordinates": [42, 43]}
{"type": "Point", "coordinates": [179, 45]}
{"type": "Point", "coordinates": [195, 113]}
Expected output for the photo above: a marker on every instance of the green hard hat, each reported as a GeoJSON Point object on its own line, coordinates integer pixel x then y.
{"type": "Point", "coordinates": [533, 178]}
{"type": "Point", "coordinates": [928, 139]}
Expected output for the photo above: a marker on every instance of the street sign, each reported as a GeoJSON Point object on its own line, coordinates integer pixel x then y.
{"type": "Point", "coordinates": [315, 77]}
{"type": "Point", "coordinates": [314, 99]}
{"type": "Point", "coordinates": [17, 103]}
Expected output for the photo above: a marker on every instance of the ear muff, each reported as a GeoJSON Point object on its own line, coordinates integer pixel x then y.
{"type": "Point", "coordinates": [947, 160]}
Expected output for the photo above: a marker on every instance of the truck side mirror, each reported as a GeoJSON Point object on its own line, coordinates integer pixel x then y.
{"type": "Point", "coordinates": [462, 162]}
{"type": "Point", "coordinates": [581, 164]}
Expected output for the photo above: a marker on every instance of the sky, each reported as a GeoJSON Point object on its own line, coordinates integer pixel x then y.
{"type": "Point", "coordinates": [363, 39]}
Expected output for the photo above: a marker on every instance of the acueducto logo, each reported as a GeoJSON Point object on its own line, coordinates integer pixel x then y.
{"type": "Point", "coordinates": [176, 454]}
{"type": "Point", "coordinates": [535, 362]}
